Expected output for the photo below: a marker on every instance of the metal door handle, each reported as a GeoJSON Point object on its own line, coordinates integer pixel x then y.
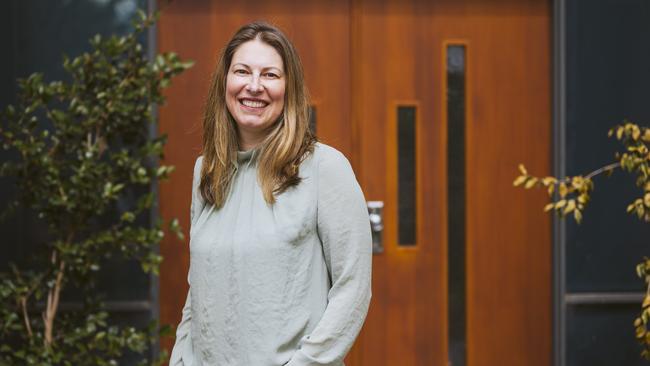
{"type": "Point", "coordinates": [376, 215]}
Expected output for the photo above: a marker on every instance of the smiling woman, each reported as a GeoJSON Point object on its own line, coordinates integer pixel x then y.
{"type": "Point", "coordinates": [280, 244]}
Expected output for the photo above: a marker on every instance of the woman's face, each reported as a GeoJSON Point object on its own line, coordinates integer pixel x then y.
{"type": "Point", "coordinates": [255, 91]}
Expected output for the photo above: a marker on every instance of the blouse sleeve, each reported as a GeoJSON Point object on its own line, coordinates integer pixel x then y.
{"type": "Point", "coordinates": [344, 230]}
{"type": "Point", "coordinates": [182, 353]}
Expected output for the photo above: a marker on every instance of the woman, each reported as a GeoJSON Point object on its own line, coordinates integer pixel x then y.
{"type": "Point", "coordinates": [280, 249]}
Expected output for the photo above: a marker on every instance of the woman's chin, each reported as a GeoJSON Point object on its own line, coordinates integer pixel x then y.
{"type": "Point", "coordinates": [253, 126]}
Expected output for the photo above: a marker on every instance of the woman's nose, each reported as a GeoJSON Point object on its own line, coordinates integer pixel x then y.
{"type": "Point", "coordinates": [254, 85]}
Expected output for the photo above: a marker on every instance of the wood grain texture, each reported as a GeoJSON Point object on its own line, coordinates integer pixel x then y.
{"type": "Point", "coordinates": [508, 240]}
{"type": "Point", "coordinates": [508, 237]}
{"type": "Point", "coordinates": [407, 321]}
{"type": "Point", "coordinates": [180, 118]}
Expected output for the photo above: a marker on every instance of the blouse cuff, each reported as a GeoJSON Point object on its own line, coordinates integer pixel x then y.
{"type": "Point", "coordinates": [301, 359]}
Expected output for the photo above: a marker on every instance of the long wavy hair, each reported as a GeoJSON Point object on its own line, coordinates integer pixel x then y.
{"type": "Point", "coordinates": [289, 140]}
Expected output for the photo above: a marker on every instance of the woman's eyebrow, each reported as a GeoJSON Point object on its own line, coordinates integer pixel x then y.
{"type": "Point", "coordinates": [273, 68]}
{"type": "Point", "coordinates": [241, 64]}
{"type": "Point", "coordinates": [264, 68]}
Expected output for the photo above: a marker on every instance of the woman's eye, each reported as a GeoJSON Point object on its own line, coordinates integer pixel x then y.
{"type": "Point", "coordinates": [241, 72]}
{"type": "Point", "coordinates": [271, 75]}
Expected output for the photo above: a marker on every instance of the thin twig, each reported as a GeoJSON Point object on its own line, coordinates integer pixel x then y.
{"type": "Point", "coordinates": [603, 169]}
{"type": "Point", "coordinates": [23, 305]}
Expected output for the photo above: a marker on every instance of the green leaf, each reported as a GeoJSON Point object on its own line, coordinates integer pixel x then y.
{"type": "Point", "coordinates": [175, 228]}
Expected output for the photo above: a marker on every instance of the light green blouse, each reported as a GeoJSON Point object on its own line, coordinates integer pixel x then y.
{"type": "Point", "coordinates": [281, 284]}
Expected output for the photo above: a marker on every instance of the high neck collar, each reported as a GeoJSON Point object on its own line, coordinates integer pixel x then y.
{"type": "Point", "coordinates": [247, 157]}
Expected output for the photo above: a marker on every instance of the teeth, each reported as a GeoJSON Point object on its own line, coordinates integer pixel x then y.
{"type": "Point", "coordinates": [253, 104]}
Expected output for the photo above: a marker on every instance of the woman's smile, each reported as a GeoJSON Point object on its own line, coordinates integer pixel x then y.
{"type": "Point", "coordinates": [252, 103]}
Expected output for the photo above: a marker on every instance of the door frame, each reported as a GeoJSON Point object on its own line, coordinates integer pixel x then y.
{"type": "Point", "coordinates": [558, 168]}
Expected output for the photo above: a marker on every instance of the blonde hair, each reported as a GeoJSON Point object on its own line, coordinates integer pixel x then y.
{"type": "Point", "coordinates": [289, 140]}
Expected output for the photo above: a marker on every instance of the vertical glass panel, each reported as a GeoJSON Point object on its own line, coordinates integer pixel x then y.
{"type": "Point", "coordinates": [312, 119]}
{"type": "Point", "coordinates": [456, 198]}
{"type": "Point", "coordinates": [406, 186]}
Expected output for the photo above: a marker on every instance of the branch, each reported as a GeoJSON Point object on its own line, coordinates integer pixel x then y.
{"type": "Point", "coordinates": [53, 297]}
{"type": "Point", "coordinates": [603, 169]}
{"type": "Point", "coordinates": [52, 302]}
{"type": "Point", "coordinates": [23, 306]}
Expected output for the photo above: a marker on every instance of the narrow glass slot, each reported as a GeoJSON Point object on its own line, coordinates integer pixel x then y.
{"type": "Point", "coordinates": [406, 171]}
{"type": "Point", "coordinates": [456, 196]}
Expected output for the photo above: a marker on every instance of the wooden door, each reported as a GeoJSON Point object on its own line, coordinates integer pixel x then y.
{"type": "Point", "coordinates": [401, 66]}
{"type": "Point", "coordinates": [371, 64]}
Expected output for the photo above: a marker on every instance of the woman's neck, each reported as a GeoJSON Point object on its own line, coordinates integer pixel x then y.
{"type": "Point", "coordinates": [249, 141]}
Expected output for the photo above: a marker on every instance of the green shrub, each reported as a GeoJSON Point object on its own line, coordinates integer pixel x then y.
{"type": "Point", "coordinates": [85, 165]}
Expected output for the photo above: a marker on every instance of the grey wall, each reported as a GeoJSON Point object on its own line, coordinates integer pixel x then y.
{"type": "Point", "coordinates": [607, 80]}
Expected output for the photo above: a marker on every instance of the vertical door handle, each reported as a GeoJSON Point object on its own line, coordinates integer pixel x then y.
{"type": "Point", "coordinates": [376, 215]}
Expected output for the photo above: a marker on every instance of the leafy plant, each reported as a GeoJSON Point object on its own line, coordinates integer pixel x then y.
{"type": "Point", "coordinates": [84, 166]}
{"type": "Point", "coordinates": [574, 192]}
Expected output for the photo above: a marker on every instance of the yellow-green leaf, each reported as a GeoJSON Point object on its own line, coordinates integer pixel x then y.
{"type": "Point", "coordinates": [646, 135]}
{"type": "Point", "coordinates": [550, 189]}
{"type": "Point", "coordinates": [563, 190]}
{"type": "Point", "coordinates": [549, 180]}
{"type": "Point", "coordinates": [560, 203]}
{"type": "Point", "coordinates": [636, 133]}
{"type": "Point", "coordinates": [571, 205]}
{"type": "Point", "coordinates": [583, 198]}
{"type": "Point", "coordinates": [549, 207]}
{"type": "Point", "coordinates": [530, 183]}
{"type": "Point", "coordinates": [577, 182]}
{"type": "Point", "coordinates": [577, 215]}
{"type": "Point", "coordinates": [522, 169]}
{"type": "Point", "coordinates": [519, 181]}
